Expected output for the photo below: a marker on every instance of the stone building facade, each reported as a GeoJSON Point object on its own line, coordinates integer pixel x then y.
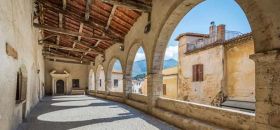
{"type": "Point", "coordinates": [227, 72]}
{"type": "Point", "coordinates": [170, 83]}
{"type": "Point", "coordinates": [116, 81]}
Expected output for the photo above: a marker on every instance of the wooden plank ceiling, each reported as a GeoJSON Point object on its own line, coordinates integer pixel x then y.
{"type": "Point", "coordinates": [79, 30]}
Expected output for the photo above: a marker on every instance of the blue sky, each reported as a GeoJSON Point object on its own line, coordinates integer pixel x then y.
{"type": "Point", "coordinates": [117, 65]}
{"type": "Point", "coordinates": [226, 12]}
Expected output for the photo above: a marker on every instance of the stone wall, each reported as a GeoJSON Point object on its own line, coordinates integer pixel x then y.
{"type": "Point", "coordinates": [217, 116]}
{"type": "Point", "coordinates": [77, 71]}
{"type": "Point", "coordinates": [16, 30]}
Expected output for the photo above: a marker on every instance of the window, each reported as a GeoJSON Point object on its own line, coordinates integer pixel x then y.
{"type": "Point", "coordinates": [197, 72]}
{"type": "Point", "coordinates": [116, 82]}
{"type": "Point", "coordinates": [100, 82]}
{"type": "Point", "coordinates": [75, 83]}
{"type": "Point", "coordinates": [164, 89]}
{"type": "Point", "coordinates": [18, 87]}
{"type": "Point", "coordinates": [21, 87]}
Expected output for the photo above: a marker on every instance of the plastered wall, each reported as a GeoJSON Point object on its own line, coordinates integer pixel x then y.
{"type": "Point", "coordinates": [16, 29]}
{"type": "Point", "coordinates": [77, 71]}
{"type": "Point", "coordinates": [240, 72]}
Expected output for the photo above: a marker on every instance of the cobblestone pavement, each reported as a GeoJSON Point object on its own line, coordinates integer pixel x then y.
{"type": "Point", "coordinates": [88, 113]}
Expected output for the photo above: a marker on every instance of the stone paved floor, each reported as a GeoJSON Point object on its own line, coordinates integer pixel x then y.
{"type": "Point", "coordinates": [88, 113]}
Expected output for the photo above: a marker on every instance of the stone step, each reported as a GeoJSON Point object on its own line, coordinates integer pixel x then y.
{"type": "Point", "coordinates": [78, 92]}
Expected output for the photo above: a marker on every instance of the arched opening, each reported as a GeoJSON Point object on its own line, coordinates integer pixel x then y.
{"type": "Point", "coordinates": [115, 75]}
{"type": "Point", "coordinates": [213, 60]}
{"type": "Point", "coordinates": [91, 81]}
{"type": "Point", "coordinates": [59, 87]}
{"type": "Point", "coordinates": [139, 73]}
{"type": "Point", "coordinates": [21, 89]}
{"type": "Point", "coordinates": [131, 84]}
{"type": "Point", "coordinates": [100, 78]}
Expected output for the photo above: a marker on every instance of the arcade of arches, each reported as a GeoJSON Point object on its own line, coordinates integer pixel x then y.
{"type": "Point", "coordinates": [83, 39]}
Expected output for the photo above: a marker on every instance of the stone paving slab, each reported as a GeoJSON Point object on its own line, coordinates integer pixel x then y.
{"type": "Point", "coordinates": [82, 112]}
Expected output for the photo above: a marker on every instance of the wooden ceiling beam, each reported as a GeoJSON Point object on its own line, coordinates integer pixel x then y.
{"type": "Point", "coordinates": [64, 60]}
{"type": "Point", "coordinates": [50, 56]}
{"type": "Point", "coordinates": [68, 32]}
{"type": "Point", "coordinates": [111, 17]}
{"type": "Point", "coordinates": [109, 33]}
{"type": "Point", "coordinates": [88, 9]}
{"type": "Point", "coordinates": [85, 45]}
{"type": "Point", "coordinates": [49, 44]}
{"type": "Point", "coordinates": [77, 57]}
{"type": "Point", "coordinates": [130, 4]}
{"type": "Point", "coordinates": [47, 37]}
{"type": "Point", "coordinates": [64, 3]}
{"type": "Point", "coordinates": [108, 23]}
{"type": "Point", "coordinates": [62, 56]}
{"type": "Point", "coordinates": [60, 20]}
{"type": "Point", "coordinates": [80, 32]}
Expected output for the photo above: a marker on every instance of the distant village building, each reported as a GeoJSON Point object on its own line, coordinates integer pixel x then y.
{"type": "Point", "coordinates": [137, 85]}
{"type": "Point", "coordinates": [215, 67]}
{"type": "Point", "coordinates": [170, 83]}
{"type": "Point", "coordinates": [117, 81]}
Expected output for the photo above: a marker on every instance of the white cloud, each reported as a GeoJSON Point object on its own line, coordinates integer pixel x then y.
{"type": "Point", "coordinates": [171, 52]}
{"type": "Point", "coordinates": [140, 56]}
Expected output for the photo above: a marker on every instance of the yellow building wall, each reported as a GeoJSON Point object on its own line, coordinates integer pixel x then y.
{"type": "Point", "coordinates": [144, 87]}
{"type": "Point", "coordinates": [240, 72]}
{"type": "Point", "coordinates": [170, 79]}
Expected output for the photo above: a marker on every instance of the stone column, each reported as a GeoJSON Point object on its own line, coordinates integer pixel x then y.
{"type": "Point", "coordinates": [267, 90]}
{"type": "Point", "coordinates": [107, 86]}
{"type": "Point", "coordinates": [127, 85]}
{"type": "Point", "coordinates": [96, 81]}
{"type": "Point", "coordinates": [53, 85]}
{"type": "Point", "coordinates": [154, 89]}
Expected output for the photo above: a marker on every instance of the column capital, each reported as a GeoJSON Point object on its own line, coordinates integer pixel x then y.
{"type": "Point", "coordinates": [268, 57]}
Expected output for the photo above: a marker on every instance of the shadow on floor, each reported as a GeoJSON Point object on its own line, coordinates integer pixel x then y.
{"type": "Point", "coordinates": [74, 112]}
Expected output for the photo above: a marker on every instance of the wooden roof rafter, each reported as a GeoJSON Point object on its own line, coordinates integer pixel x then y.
{"type": "Point", "coordinates": [131, 4]}
{"type": "Point", "coordinates": [83, 29]}
{"type": "Point", "coordinates": [50, 6]}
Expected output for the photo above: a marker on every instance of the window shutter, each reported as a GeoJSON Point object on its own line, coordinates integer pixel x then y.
{"type": "Point", "coordinates": [194, 72]}
{"type": "Point", "coordinates": [164, 89]}
{"type": "Point", "coordinates": [200, 72]}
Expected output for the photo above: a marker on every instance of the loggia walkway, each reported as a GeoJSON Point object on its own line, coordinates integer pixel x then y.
{"type": "Point", "coordinates": [88, 113]}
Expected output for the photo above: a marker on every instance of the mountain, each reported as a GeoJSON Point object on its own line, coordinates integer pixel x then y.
{"type": "Point", "coordinates": [169, 63]}
{"type": "Point", "coordinates": [140, 67]}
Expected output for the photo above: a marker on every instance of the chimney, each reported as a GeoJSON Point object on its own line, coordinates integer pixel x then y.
{"type": "Point", "coordinates": [212, 32]}
{"type": "Point", "coordinates": [221, 30]}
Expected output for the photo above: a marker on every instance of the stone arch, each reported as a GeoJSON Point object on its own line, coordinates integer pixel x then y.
{"type": "Point", "coordinates": [91, 80]}
{"type": "Point", "coordinates": [129, 64]}
{"type": "Point", "coordinates": [111, 64]}
{"type": "Point", "coordinates": [264, 30]}
{"type": "Point", "coordinates": [260, 23]}
{"type": "Point", "coordinates": [100, 79]}
{"type": "Point", "coordinates": [180, 9]}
